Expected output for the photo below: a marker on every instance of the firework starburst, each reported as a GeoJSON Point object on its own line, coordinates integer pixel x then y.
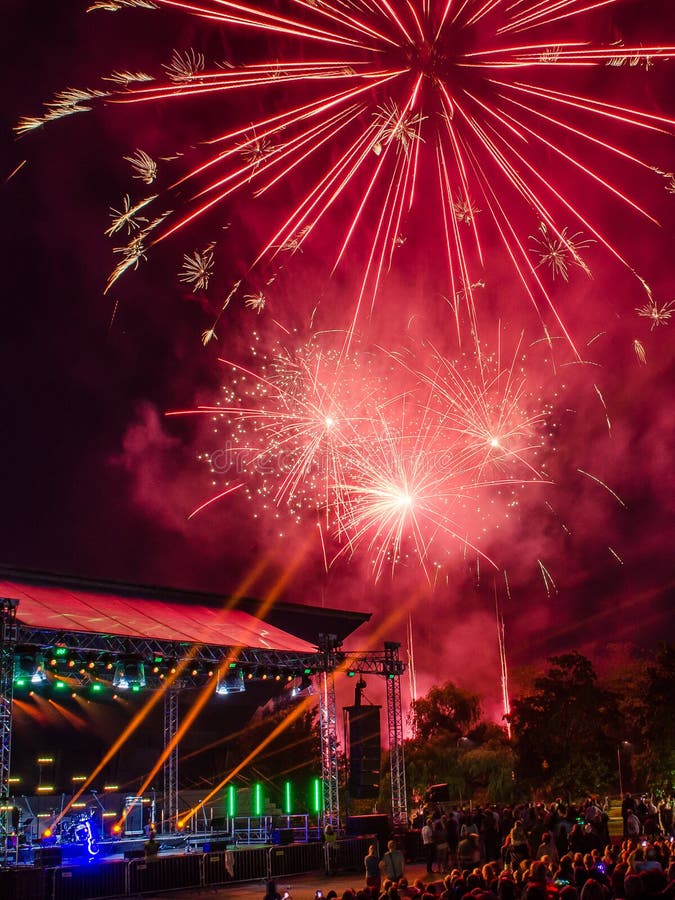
{"type": "Point", "coordinates": [469, 104]}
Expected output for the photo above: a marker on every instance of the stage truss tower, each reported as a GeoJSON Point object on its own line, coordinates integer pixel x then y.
{"type": "Point", "coordinates": [170, 769]}
{"type": "Point", "coordinates": [370, 663]}
{"type": "Point", "coordinates": [399, 794]}
{"type": "Point", "coordinates": [7, 648]}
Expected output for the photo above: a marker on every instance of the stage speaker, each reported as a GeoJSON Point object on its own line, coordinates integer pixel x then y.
{"type": "Point", "coordinates": [282, 836]}
{"type": "Point", "coordinates": [363, 724]}
{"type": "Point", "coordinates": [215, 846]}
{"type": "Point", "coordinates": [48, 856]}
{"type": "Point", "coordinates": [133, 812]}
{"type": "Point", "coordinates": [437, 793]}
{"type": "Point", "coordinates": [377, 824]}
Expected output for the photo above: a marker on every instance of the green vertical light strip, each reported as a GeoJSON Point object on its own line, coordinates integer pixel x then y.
{"type": "Point", "coordinates": [288, 798]}
{"type": "Point", "coordinates": [231, 801]}
{"type": "Point", "coordinates": [257, 799]}
{"type": "Point", "coordinates": [317, 796]}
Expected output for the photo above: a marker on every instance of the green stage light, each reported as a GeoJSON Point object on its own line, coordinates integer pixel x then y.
{"type": "Point", "coordinates": [316, 801]}
{"type": "Point", "coordinates": [287, 804]}
{"type": "Point", "coordinates": [258, 802]}
{"type": "Point", "coordinates": [231, 801]}
{"type": "Point", "coordinates": [60, 685]}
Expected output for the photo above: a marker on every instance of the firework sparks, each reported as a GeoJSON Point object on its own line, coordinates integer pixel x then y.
{"type": "Point", "coordinates": [602, 484]}
{"type": "Point", "coordinates": [640, 351]}
{"type": "Point", "coordinates": [117, 5]}
{"type": "Point", "coordinates": [256, 302]}
{"type": "Point", "coordinates": [470, 101]}
{"type": "Point", "coordinates": [558, 251]}
{"type": "Point", "coordinates": [128, 217]}
{"type": "Point", "coordinates": [143, 165]}
{"type": "Point", "coordinates": [197, 268]}
{"type": "Point", "coordinates": [394, 125]}
{"type": "Point", "coordinates": [392, 460]}
{"type": "Point", "coordinates": [465, 211]}
{"type": "Point", "coordinates": [185, 66]}
{"type": "Point", "coordinates": [125, 78]}
{"type": "Point", "coordinates": [658, 315]}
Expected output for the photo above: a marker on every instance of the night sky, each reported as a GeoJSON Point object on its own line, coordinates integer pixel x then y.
{"type": "Point", "coordinates": [97, 482]}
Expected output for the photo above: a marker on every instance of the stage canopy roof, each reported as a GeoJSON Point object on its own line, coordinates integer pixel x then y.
{"type": "Point", "coordinates": [71, 604]}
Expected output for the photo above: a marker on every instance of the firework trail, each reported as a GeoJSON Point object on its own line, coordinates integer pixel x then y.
{"type": "Point", "coordinates": [478, 111]}
{"type": "Point", "coordinates": [504, 680]}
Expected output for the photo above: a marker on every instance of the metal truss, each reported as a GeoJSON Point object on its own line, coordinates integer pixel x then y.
{"type": "Point", "coordinates": [328, 646]}
{"type": "Point", "coordinates": [170, 769]}
{"type": "Point", "coordinates": [399, 794]}
{"type": "Point", "coordinates": [120, 646]}
{"type": "Point", "coordinates": [7, 647]}
{"type": "Point", "coordinates": [329, 750]}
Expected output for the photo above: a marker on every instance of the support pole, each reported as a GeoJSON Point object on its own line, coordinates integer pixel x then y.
{"type": "Point", "coordinates": [328, 728]}
{"type": "Point", "coordinates": [399, 796]}
{"type": "Point", "coordinates": [170, 768]}
{"type": "Point", "coordinates": [7, 647]}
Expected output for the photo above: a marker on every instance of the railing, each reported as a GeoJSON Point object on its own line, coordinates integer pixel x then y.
{"type": "Point", "coordinates": [134, 877]}
{"type": "Point", "coordinates": [261, 829]}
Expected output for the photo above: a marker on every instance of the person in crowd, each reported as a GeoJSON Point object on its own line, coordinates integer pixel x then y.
{"type": "Point", "coordinates": [633, 827]}
{"type": "Point", "coordinates": [519, 848]}
{"type": "Point", "coordinates": [548, 848]}
{"type": "Point", "coordinates": [371, 863]}
{"type": "Point", "coordinates": [394, 862]}
{"type": "Point", "coordinates": [440, 837]}
{"type": "Point", "coordinates": [330, 842]}
{"type": "Point", "coordinates": [468, 851]}
{"type": "Point", "coordinates": [271, 892]}
{"type": "Point", "coordinates": [428, 844]}
{"type": "Point", "coordinates": [151, 846]}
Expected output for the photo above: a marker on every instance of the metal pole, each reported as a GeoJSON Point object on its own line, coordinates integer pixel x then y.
{"type": "Point", "coordinates": [618, 759]}
{"type": "Point", "coordinates": [7, 645]}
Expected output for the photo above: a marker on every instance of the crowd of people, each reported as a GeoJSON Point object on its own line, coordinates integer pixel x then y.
{"type": "Point", "coordinates": [531, 852]}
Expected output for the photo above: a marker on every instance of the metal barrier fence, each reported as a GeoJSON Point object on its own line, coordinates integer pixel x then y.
{"type": "Point", "coordinates": [291, 859]}
{"type": "Point", "coordinates": [350, 853]}
{"type": "Point", "coordinates": [134, 877]}
{"type": "Point", "coordinates": [249, 864]}
{"type": "Point", "coordinates": [108, 879]}
{"type": "Point", "coordinates": [166, 873]}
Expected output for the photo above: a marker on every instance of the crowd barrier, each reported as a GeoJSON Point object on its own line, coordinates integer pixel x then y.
{"type": "Point", "coordinates": [135, 877]}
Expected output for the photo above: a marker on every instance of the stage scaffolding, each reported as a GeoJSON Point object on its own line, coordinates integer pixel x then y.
{"type": "Point", "coordinates": [7, 649]}
{"type": "Point", "coordinates": [112, 648]}
{"type": "Point", "coordinates": [391, 667]}
{"type": "Point", "coordinates": [170, 769]}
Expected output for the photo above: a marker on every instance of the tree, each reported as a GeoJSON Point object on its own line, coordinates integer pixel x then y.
{"type": "Point", "coordinates": [657, 756]}
{"type": "Point", "coordinates": [564, 731]}
{"type": "Point", "coordinates": [454, 746]}
{"type": "Point", "coordinates": [446, 712]}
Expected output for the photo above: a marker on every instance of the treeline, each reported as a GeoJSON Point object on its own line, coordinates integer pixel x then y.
{"type": "Point", "coordinates": [571, 733]}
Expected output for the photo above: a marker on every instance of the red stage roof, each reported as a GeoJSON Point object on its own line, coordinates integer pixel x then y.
{"type": "Point", "coordinates": [58, 608]}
